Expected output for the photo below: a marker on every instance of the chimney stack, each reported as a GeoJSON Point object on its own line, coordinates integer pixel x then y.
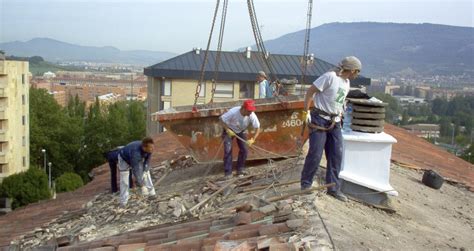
{"type": "Point", "coordinates": [248, 52]}
{"type": "Point", "coordinates": [197, 50]}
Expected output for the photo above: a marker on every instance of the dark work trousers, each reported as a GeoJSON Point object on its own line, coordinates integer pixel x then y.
{"type": "Point", "coordinates": [228, 152]}
{"type": "Point", "coordinates": [331, 141]}
{"type": "Point", "coordinates": [113, 175]}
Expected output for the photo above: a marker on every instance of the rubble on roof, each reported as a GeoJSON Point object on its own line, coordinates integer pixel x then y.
{"type": "Point", "coordinates": [198, 209]}
{"type": "Point", "coordinates": [182, 184]}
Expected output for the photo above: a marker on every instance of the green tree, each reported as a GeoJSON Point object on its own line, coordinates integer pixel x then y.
{"type": "Point", "coordinates": [118, 122]}
{"type": "Point", "coordinates": [50, 129]}
{"type": "Point", "coordinates": [26, 187]}
{"type": "Point", "coordinates": [68, 182]}
{"type": "Point", "coordinates": [137, 120]}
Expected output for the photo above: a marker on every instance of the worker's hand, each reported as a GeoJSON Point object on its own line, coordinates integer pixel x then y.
{"type": "Point", "coordinates": [250, 142]}
{"type": "Point", "coordinates": [230, 133]}
{"type": "Point", "coordinates": [306, 116]}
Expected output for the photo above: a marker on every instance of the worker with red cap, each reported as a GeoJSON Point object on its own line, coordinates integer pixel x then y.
{"type": "Point", "coordinates": [235, 123]}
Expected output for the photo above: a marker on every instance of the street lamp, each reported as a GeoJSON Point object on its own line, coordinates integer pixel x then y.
{"type": "Point", "coordinates": [49, 179]}
{"type": "Point", "coordinates": [44, 153]}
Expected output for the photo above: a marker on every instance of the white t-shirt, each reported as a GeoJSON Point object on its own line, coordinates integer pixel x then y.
{"type": "Point", "coordinates": [238, 123]}
{"type": "Point", "coordinates": [332, 93]}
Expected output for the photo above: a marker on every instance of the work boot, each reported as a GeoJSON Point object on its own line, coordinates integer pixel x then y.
{"type": "Point", "coordinates": [305, 188]}
{"type": "Point", "coordinates": [242, 173]}
{"type": "Point", "coordinates": [228, 177]}
{"type": "Point", "coordinates": [338, 195]}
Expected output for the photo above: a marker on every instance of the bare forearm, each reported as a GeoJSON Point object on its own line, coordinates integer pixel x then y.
{"type": "Point", "coordinates": [309, 96]}
{"type": "Point", "coordinates": [256, 134]}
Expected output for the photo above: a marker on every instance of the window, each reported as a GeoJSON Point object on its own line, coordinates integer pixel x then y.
{"type": "Point", "coordinates": [166, 105]}
{"type": "Point", "coordinates": [3, 168]}
{"type": "Point", "coordinates": [24, 161]}
{"type": "Point", "coordinates": [23, 100]}
{"type": "Point", "coordinates": [166, 88]}
{"type": "Point", "coordinates": [23, 78]}
{"type": "Point", "coordinates": [224, 90]}
{"type": "Point", "coordinates": [23, 141]}
{"type": "Point", "coordinates": [23, 119]}
{"type": "Point", "coordinates": [247, 90]}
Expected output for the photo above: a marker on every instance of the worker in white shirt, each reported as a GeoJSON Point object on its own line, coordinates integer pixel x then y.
{"type": "Point", "coordinates": [235, 123]}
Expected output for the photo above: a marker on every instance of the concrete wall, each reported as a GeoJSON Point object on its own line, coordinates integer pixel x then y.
{"type": "Point", "coordinates": [14, 104]}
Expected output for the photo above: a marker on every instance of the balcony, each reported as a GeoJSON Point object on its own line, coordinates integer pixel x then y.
{"type": "Point", "coordinates": [3, 158]}
{"type": "Point", "coordinates": [3, 92]}
{"type": "Point", "coordinates": [3, 136]}
{"type": "Point", "coordinates": [3, 114]}
{"type": "Point", "coordinates": [3, 68]}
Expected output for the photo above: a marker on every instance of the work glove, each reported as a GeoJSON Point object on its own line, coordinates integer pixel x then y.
{"type": "Point", "coordinates": [306, 116]}
{"type": "Point", "coordinates": [230, 133]}
{"type": "Point", "coordinates": [144, 191]}
{"type": "Point", "coordinates": [250, 142]}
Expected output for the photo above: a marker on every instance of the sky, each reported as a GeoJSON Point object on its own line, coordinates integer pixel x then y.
{"type": "Point", "coordinates": [180, 25]}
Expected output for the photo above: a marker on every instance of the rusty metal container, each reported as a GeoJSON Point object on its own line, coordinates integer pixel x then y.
{"type": "Point", "coordinates": [200, 131]}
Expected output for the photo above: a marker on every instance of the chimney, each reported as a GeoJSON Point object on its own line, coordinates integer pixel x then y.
{"type": "Point", "coordinates": [311, 57]}
{"type": "Point", "coordinates": [248, 52]}
{"type": "Point", "coordinates": [197, 50]}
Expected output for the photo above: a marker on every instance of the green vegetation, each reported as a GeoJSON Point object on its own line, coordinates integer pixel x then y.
{"type": "Point", "coordinates": [26, 187]}
{"type": "Point", "coordinates": [74, 137]}
{"type": "Point", "coordinates": [68, 182]}
{"type": "Point", "coordinates": [456, 114]}
{"type": "Point", "coordinates": [38, 66]}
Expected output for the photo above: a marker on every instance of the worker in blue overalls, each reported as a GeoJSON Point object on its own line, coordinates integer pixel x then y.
{"type": "Point", "coordinates": [328, 94]}
{"type": "Point", "coordinates": [112, 158]}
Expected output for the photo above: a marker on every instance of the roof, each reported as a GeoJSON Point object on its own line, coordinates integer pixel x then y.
{"type": "Point", "coordinates": [246, 229]}
{"type": "Point", "coordinates": [417, 153]}
{"type": "Point", "coordinates": [235, 66]}
{"type": "Point", "coordinates": [25, 219]}
{"type": "Point", "coordinates": [422, 127]}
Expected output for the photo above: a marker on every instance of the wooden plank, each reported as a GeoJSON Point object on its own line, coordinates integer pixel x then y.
{"type": "Point", "coordinates": [359, 108]}
{"type": "Point", "coordinates": [368, 122]}
{"type": "Point", "coordinates": [377, 129]}
{"type": "Point", "coordinates": [256, 188]}
{"type": "Point", "coordinates": [217, 192]}
{"type": "Point", "coordinates": [364, 115]}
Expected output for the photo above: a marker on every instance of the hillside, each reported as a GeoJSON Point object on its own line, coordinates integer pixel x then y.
{"type": "Point", "coordinates": [54, 50]}
{"type": "Point", "coordinates": [386, 48]}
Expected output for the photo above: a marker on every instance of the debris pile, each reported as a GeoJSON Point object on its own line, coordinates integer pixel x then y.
{"type": "Point", "coordinates": [276, 208]}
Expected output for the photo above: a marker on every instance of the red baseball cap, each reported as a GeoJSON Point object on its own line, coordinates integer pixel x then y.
{"type": "Point", "coordinates": [249, 105]}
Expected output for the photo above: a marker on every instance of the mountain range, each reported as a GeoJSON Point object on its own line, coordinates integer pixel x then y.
{"type": "Point", "coordinates": [384, 48]}
{"type": "Point", "coordinates": [387, 48]}
{"type": "Point", "coordinates": [57, 51]}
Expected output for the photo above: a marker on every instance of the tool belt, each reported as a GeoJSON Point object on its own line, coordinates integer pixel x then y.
{"type": "Point", "coordinates": [323, 113]}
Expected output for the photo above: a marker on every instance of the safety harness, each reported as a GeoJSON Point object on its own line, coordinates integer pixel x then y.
{"type": "Point", "coordinates": [323, 113]}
